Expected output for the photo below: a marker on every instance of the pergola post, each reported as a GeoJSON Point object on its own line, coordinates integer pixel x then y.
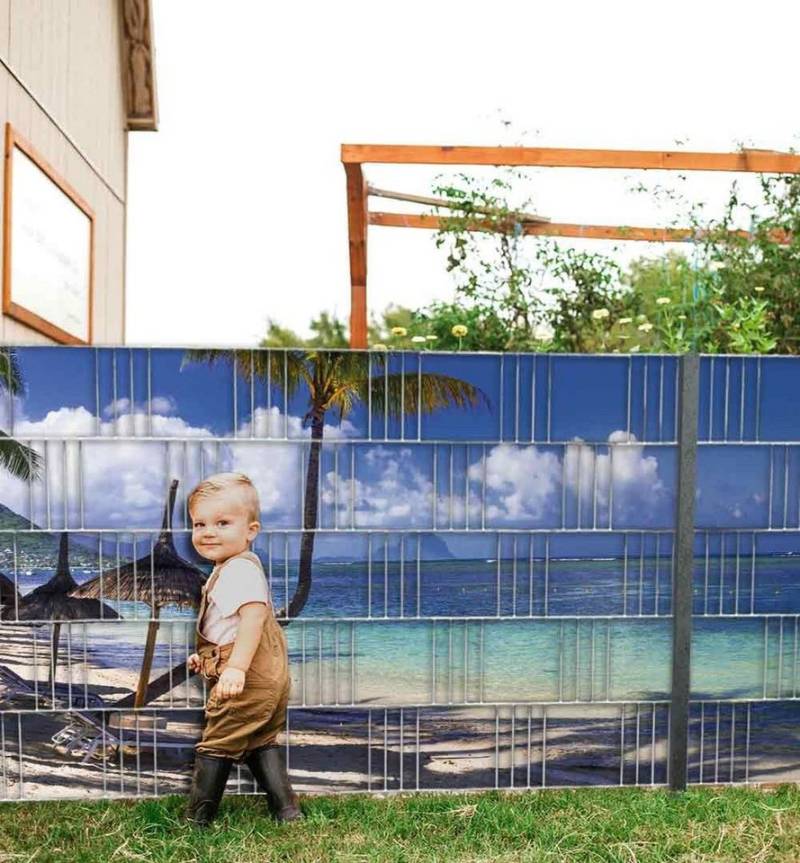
{"type": "Point", "coordinates": [357, 226]}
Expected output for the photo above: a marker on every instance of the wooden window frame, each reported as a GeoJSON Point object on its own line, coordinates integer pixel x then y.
{"type": "Point", "coordinates": [13, 309]}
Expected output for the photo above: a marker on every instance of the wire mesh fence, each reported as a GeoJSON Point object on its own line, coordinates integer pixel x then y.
{"type": "Point", "coordinates": [493, 576]}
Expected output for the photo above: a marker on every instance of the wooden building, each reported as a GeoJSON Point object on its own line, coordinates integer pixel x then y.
{"type": "Point", "coordinates": [75, 77]}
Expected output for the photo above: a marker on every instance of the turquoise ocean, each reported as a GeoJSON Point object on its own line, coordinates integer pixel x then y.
{"type": "Point", "coordinates": [472, 631]}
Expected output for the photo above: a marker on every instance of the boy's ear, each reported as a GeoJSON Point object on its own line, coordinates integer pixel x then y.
{"type": "Point", "coordinates": [253, 528]}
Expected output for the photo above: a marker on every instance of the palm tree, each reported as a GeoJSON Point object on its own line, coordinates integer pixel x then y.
{"type": "Point", "coordinates": [337, 381]}
{"type": "Point", "coordinates": [19, 460]}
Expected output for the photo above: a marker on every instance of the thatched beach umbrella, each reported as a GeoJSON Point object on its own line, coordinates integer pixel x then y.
{"type": "Point", "coordinates": [161, 577]}
{"type": "Point", "coordinates": [52, 601]}
{"type": "Point", "coordinates": [9, 597]}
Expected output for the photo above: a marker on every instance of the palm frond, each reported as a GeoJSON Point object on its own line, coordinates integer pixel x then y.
{"type": "Point", "coordinates": [337, 374]}
{"type": "Point", "coordinates": [407, 394]}
{"type": "Point", "coordinates": [10, 372]}
{"type": "Point", "coordinates": [338, 379]}
{"type": "Point", "coordinates": [283, 369]}
{"type": "Point", "coordinates": [19, 460]}
{"type": "Point", "coordinates": [343, 398]}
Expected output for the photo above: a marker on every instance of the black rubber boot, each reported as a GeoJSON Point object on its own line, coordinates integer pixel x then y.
{"type": "Point", "coordinates": [208, 782]}
{"type": "Point", "coordinates": [268, 767]}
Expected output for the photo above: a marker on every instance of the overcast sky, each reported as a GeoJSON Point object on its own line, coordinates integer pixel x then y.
{"type": "Point", "coordinates": [237, 204]}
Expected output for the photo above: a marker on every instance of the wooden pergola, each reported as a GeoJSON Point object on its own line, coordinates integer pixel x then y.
{"type": "Point", "coordinates": [359, 217]}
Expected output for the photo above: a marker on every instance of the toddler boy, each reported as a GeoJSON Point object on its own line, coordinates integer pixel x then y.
{"type": "Point", "coordinates": [242, 648]}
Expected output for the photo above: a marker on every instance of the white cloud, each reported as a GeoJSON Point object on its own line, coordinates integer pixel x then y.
{"type": "Point", "coordinates": [273, 423]}
{"type": "Point", "coordinates": [638, 490]}
{"type": "Point", "coordinates": [524, 484]}
{"type": "Point", "coordinates": [80, 422]}
{"type": "Point", "coordinates": [5, 411]}
{"type": "Point", "coordinates": [124, 482]}
{"type": "Point", "coordinates": [275, 471]}
{"type": "Point", "coordinates": [158, 405]}
{"type": "Point", "coordinates": [522, 481]}
{"type": "Point", "coordinates": [399, 495]}
{"type": "Point", "coordinates": [523, 487]}
{"type": "Point", "coordinates": [63, 422]}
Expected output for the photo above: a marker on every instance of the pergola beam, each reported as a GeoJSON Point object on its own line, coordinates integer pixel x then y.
{"type": "Point", "coordinates": [563, 229]}
{"type": "Point", "coordinates": [760, 161]}
{"type": "Point", "coordinates": [359, 218]}
{"type": "Point", "coordinates": [444, 203]}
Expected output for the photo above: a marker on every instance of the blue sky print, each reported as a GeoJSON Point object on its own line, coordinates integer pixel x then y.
{"type": "Point", "coordinates": [553, 442]}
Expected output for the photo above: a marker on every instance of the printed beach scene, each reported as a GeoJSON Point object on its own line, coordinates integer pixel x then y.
{"type": "Point", "coordinates": [489, 600]}
{"type": "Point", "coordinates": [363, 690]}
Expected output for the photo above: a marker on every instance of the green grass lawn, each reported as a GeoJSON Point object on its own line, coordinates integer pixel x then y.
{"type": "Point", "coordinates": [626, 824]}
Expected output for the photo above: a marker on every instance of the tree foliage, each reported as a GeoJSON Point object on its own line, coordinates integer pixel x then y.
{"type": "Point", "coordinates": [757, 273]}
{"type": "Point", "coordinates": [731, 290]}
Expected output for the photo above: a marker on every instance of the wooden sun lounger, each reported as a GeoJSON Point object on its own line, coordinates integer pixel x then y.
{"type": "Point", "coordinates": [76, 696]}
{"type": "Point", "coordinates": [85, 731]}
{"type": "Point", "coordinates": [83, 735]}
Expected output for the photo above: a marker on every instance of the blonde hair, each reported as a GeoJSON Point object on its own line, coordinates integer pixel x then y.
{"type": "Point", "coordinates": [219, 482]}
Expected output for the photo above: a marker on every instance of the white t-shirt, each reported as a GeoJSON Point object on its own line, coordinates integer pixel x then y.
{"type": "Point", "coordinates": [240, 581]}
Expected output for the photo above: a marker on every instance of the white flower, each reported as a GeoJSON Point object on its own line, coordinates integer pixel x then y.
{"type": "Point", "coordinates": [543, 332]}
{"type": "Point", "coordinates": [759, 288]}
{"type": "Point", "coordinates": [716, 266]}
{"type": "Point", "coordinates": [645, 328]}
{"type": "Point", "coordinates": [598, 314]}
{"type": "Point", "coordinates": [431, 338]}
{"type": "Point", "coordinates": [378, 346]}
{"type": "Point", "coordinates": [641, 317]}
{"type": "Point", "coordinates": [624, 320]}
{"type": "Point", "coordinates": [681, 317]}
{"type": "Point", "coordinates": [633, 349]}
{"type": "Point", "coordinates": [663, 301]}
{"type": "Point", "coordinates": [418, 339]}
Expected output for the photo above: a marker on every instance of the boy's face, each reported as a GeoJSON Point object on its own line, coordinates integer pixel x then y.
{"type": "Point", "coordinates": [221, 526]}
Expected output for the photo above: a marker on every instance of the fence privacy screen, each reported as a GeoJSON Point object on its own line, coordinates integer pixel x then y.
{"type": "Point", "coordinates": [488, 543]}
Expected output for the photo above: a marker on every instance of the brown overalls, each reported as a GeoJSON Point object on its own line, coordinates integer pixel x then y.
{"type": "Point", "coordinates": [253, 718]}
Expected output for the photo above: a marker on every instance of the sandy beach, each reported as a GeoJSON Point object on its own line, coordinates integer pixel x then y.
{"type": "Point", "coordinates": [370, 746]}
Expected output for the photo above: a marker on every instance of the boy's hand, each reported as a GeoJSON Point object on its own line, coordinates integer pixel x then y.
{"type": "Point", "coordinates": [230, 683]}
{"type": "Point", "coordinates": [194, 663]}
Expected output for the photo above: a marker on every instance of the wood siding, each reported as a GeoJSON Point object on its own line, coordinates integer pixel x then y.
{"type": "Point", "coordinates": [64, 94]}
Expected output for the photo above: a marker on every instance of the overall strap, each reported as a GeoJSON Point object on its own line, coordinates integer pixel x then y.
{"type": "Point", "coordinates": [210, 582]}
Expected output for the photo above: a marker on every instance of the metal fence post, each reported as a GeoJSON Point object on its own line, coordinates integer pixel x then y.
{"type": "Point", "coordinates": [682, 576]}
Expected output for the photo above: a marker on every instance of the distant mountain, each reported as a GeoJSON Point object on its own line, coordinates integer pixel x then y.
{"type": "Point", "coordinates": [343, 549]}
{"type": "Point", "coordinates": [38, 550]}
{"type": "Point", "coordinates": [435, 548]}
